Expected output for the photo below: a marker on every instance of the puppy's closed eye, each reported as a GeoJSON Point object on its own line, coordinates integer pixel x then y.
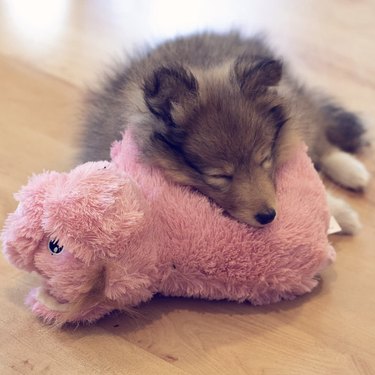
{"type": "Point", "coordinates": [218, 179]}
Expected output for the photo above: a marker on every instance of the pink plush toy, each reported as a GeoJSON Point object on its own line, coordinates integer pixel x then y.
{"type": "Point", "coordinates": [108, 236]}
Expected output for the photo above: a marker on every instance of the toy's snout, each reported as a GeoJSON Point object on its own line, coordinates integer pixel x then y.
{"type": "Point", "coordinates": [23, 232]}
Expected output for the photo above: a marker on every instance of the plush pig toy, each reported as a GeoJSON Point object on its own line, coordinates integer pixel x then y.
{"type": "Point", "coordinates": [108, 236]}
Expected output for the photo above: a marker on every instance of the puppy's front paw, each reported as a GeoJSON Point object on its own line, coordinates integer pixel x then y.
{"type": "Point", "coordinates": [346, 217]}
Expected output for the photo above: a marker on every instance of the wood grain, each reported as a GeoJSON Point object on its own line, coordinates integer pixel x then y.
{"type": "Point", "coordinates": [48, 54]}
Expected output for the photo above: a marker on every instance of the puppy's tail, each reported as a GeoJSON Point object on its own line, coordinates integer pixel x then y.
{"type": "Point", "coordinates": [345, 129]}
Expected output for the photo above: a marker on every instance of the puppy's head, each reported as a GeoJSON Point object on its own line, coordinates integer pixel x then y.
{"type": "Point", "coordinates": [220, 131]}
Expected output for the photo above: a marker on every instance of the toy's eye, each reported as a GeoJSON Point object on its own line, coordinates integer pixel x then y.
{"type": "Point", "coordinates": [54, 247]}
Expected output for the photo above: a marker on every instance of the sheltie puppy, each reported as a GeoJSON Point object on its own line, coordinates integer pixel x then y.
{"type": "Point", "coordinates": [219, 113]}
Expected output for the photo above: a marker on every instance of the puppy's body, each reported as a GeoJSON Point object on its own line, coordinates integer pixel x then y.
{"type": "Point", "coordinates": [219, 113]}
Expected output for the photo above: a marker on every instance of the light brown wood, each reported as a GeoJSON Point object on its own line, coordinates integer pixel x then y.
{"type": "Point", "coordinates": [49, 51]}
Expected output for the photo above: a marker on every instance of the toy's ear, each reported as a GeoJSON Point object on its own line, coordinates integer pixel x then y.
{"type": "Point", "coordinates": [132, 282]}
{"type": "Point", "coordinates": [94, 212]}
{"type": "Point", "coordinates": [133, 279]}
{"type": "Point", "coordinates": [23, 230]}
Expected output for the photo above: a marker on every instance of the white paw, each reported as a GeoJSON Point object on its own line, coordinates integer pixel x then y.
{"type": "Point", "coordinates": [344, 169]}
{"type": "Point", "coordinates": [346, 217]}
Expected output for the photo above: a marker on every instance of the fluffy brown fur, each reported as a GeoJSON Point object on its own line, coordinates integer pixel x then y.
{"type": "Point", "coordinates": [218, 113]}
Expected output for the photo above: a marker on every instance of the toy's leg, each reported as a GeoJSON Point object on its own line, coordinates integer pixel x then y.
{"type": "Point", "coordinates": [344, 215]}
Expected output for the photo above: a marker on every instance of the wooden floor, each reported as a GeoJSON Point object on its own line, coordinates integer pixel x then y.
{"type": "Point", "coordinates": [49, 51]}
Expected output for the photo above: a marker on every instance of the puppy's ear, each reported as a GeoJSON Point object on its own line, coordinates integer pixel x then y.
{"type": "Point", "coordinates": [254, 74]}
{"type": "Point", "coordinates": [170, 91]}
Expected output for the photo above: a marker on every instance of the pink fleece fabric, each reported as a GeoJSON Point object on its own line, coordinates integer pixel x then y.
{"type": "Point", "coordinates": [125, 227]}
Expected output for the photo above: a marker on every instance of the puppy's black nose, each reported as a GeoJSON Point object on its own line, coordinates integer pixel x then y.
{"type": "Point", "coordinates": [266, 216]}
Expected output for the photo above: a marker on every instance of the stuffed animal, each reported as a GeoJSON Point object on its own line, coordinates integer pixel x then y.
{"type": "Point", "coordinates": [110, 235]}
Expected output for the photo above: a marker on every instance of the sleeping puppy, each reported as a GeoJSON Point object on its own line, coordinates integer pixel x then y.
{"type": "Point", "coordinates": [219, 113]}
